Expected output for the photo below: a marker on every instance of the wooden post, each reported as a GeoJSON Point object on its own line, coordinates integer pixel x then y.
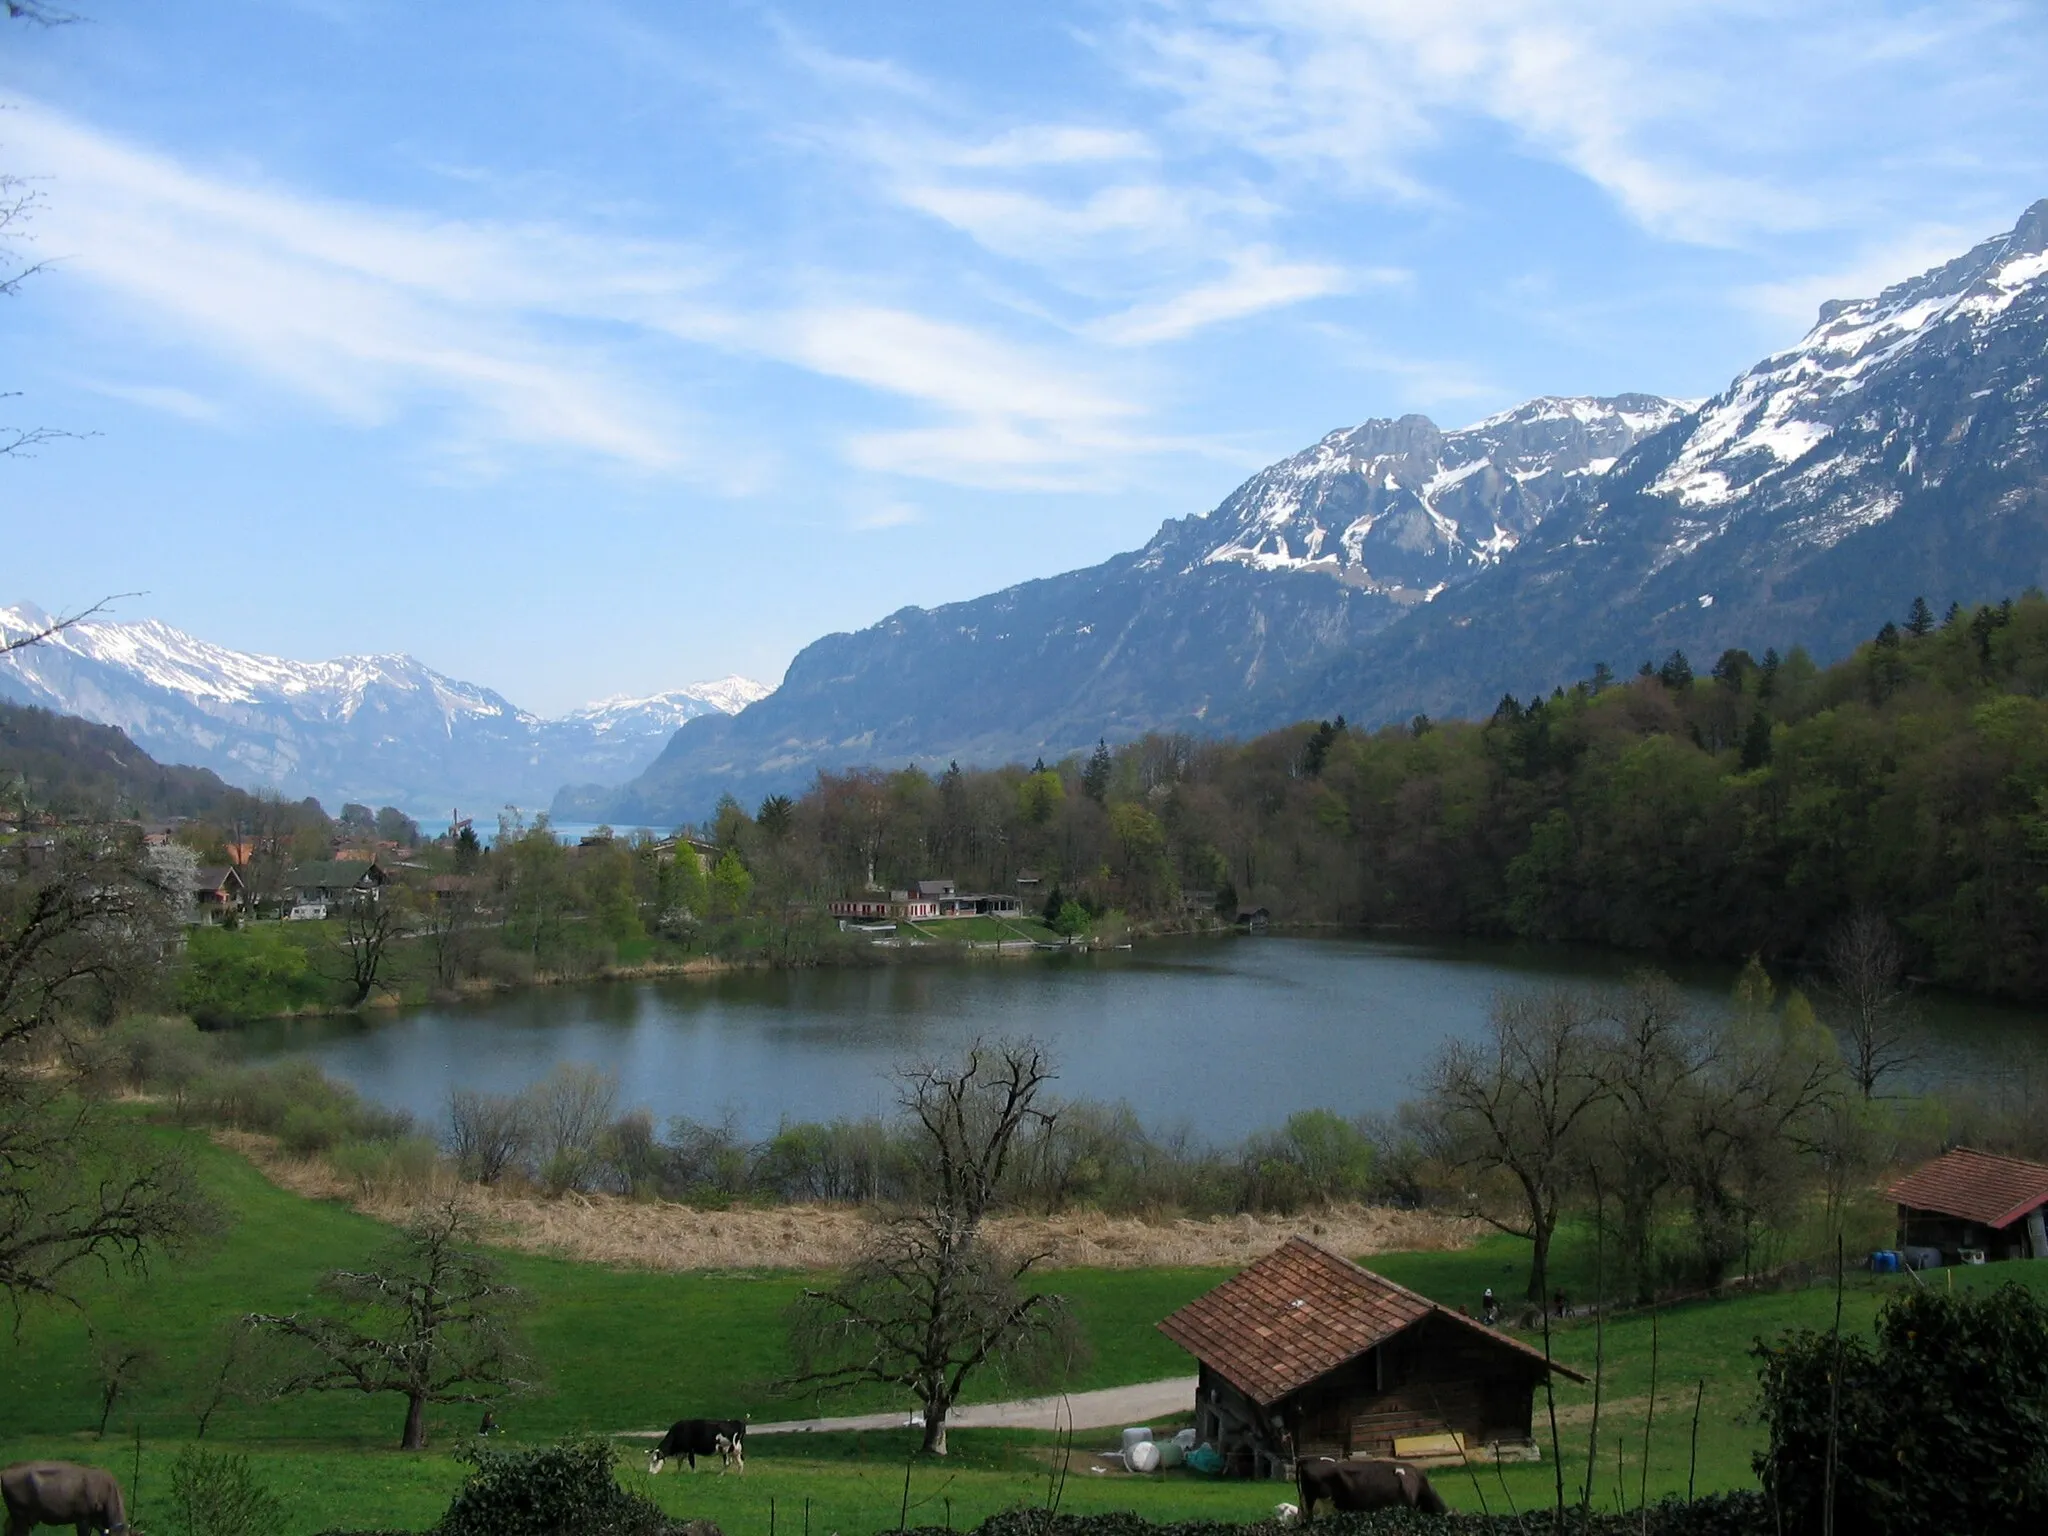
{"type": "Point", "coordinates": [1643, 1484]}
{"type": "Point", "coordinates": [1692, 1465]}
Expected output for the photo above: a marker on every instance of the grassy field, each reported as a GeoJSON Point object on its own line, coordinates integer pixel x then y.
{"type": "Point", "coordinates": [625, 1350]}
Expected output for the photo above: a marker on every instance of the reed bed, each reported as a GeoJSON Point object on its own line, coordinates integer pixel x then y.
{"type": "Point", "coordinates": [665, 1235]}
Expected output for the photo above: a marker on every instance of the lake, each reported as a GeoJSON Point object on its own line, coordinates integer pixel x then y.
{"type": "Point", "coordinates": [1226, 1036]}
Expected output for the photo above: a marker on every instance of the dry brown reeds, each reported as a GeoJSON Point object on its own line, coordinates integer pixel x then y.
{"type": "Point", "coordinates": [663, 1235]}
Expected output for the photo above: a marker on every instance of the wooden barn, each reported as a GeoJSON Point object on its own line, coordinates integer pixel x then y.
{"type": "Point", "coordinates": [1974, 1204]}
{"type": "Point", "coordinates": [1306, 1353]}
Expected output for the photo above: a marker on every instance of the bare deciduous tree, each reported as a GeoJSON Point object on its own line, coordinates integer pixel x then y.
{"type": "Point", "coordinates": [1865, 961]}
{"type": "Point", "coordinates": [80, 930]}
{"type": "Point", "coordinates": [433, 1322]}
{"type": "Point", "coordinates": [1516, 1109]}
{"type": "Point", "coordinates": [931, 1301]}
{"type": "Point", "coordinates": [370, 923]}
{"type": "Point", "coordinates": [488, 1132]}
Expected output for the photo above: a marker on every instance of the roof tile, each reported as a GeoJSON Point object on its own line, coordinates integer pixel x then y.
{"type": "Point", "coordinates": [1298, 1314]}
{"type": "Point", "coordinates": [1976, 1186]}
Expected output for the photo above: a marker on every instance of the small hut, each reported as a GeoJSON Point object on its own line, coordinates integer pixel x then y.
{"type": "Point", "coordinates": [1306, 1353]}
{"type": "Point", "coordinates": [1973, 1205]}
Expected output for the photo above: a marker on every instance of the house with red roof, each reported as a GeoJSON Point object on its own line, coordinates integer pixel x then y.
{"type": "Point", "coordinates": [1975, 1205]}
{"type": "Point", "coordinates": [1308, 1354]}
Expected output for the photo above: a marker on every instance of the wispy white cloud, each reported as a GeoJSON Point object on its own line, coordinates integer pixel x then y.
{"type": "Point", "coordinates": [167, 398]}
{"type": "Point", "coordinates": [368, 311]}
{"type": "Point", "coordinates": [360, 309]}
{"type": "Point", "coordinates": [893, 514]}
{"type": "Point", "coordinates": [1697, 117]}
{"type": "Point", "coordinates": [1257, 281]}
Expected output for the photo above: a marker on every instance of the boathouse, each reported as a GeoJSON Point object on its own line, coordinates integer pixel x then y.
{"type": "Point", "coordinates": [1307, 1354]}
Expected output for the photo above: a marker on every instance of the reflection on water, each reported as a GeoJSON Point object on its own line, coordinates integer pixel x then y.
{"type": "Point", "coordinates": [1223, 1037]}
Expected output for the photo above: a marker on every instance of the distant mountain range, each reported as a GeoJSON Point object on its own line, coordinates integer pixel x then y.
{"type": "Point", "coordinates": [379, 730]}
{"type": "Point", "coordinates": [1396, 568]}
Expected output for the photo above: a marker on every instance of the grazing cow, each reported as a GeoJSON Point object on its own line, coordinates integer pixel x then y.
{"type": "Point", "coordinates": [61, 1493]}
{"type": "Point", "coordinates": [1355, 1487]}
{"type": "Point", "coordinates": [691, 1438]}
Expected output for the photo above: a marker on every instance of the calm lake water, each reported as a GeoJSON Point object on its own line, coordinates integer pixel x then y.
{"type": "Point", "coordinates": [1225, 1036]}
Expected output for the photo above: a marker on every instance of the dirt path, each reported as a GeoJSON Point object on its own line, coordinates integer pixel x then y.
{"type": "Point", "coordinates": [1109, 1408]}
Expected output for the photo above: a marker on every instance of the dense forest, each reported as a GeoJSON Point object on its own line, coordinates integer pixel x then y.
{"type": "Point", "coordinates": [59, 763]}
{"type": "Point", "coordinates": [1744, 808]}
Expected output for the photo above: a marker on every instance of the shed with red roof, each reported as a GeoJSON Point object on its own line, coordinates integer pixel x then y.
{"type": "Point", "coordinates": [1306, 1353]}
{"type": "Point", "coordinates": [1975, 1202]}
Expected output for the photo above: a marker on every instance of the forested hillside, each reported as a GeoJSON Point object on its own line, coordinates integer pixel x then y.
{"type": "Point", "coordinates": [1714, 806]}
{"type": "Point", "coordinates": [64, 764]}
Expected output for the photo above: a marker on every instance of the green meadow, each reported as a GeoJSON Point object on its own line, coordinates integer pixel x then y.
{"type": "Point", "coordinates": [622, 1351]}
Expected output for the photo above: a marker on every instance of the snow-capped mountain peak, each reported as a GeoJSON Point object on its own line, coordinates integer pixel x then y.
{"type": "Point", "coordinates": [1404, 507]}
{"type": "Point", "coordinates": [384, 729]}
{"type": "Point", "coordinates": [725, 696]}
{"type": "Point", "coordinates": [1779, 412]}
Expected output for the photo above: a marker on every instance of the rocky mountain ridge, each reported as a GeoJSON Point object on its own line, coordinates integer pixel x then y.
{"type": "Point", "coordinates": [379, 730]}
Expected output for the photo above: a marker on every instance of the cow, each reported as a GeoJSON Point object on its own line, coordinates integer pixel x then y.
{"type": "Point", "coordinates": [1354, 1487]}
{"type": "Point", "coordinates": [691, 1438]}
{"type": "Point", "coordinates": [61, 1493]}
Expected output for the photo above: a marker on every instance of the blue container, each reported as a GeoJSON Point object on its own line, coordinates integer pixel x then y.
{"type": "Point", "coordinates": [1884, 1262]}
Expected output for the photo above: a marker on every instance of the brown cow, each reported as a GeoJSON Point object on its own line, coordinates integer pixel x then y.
{"type": "Point", "coordinates": [1354, 1487]}
{"type": "Point", "coordinates": [61, 1493]}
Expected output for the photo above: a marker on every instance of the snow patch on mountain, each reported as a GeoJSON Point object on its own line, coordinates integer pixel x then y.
{"type": "Point", "coordinates": [725, 696]}
{"type": "Point", "coordinates": [1405, 508]}
{"type": "Point", "coordinates": [1775, 417]}
{"type": "Point", "coordinates": [380, 728]}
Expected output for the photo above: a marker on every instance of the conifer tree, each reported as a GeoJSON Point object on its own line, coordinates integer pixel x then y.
{"type": "Point", "coordinates": [1095, 777]}
{"type": "Point", "coordinates": [1920, 619]}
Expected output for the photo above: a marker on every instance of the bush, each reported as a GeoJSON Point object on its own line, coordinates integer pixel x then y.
{"type": "Point", "coordinates": [232, 976]}
{"type": "Point", "coordinates": [406, 1164]}
{"type": "Point", "coordinates": [1941, 1427]}
{"type": "Point", "coordinates": [565, 1487]}
{"type": "Point", "coordinates": [307, 1128]}
{"type": "Point", "coordinates": [219, 1496]}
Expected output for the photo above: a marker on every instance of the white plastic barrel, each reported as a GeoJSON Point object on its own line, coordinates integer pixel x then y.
{"type": "Point", "coordinates": [1135, 1437]}
{"type": "Point", "coordinates": [1142, 1457]}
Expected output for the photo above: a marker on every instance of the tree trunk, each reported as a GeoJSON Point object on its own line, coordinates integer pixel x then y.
{"type": "Point", "coordinates": [935, 1411]}
{"type": "Point", "coordinates": [415, 1423]}
{"type": "Point", "coordinates": [1539, 1260]}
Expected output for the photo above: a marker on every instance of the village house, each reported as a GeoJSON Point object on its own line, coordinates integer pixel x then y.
{"type": "Point", "coordinates": [217, 890]}
{"type": "Point", "coordinates": [874, 907]}
{"type": "Point", "coordinates": [1970, 1207]}
{"type": "Point", "coordinates": [1307, 1354]}
{"type": "Point", "coordinates": [926, 901]}
{"type": "Point", "coordinates": [329, 882]}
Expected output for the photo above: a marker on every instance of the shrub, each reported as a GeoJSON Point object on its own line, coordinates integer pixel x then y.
{"type": "Point", "coordinates": [404, 1164]}
{"type": "Point", "coordinates": [247, 973]}
{"type": "Point", "coordinates": [219, 1496]}
{"type": "Point", "coordinates": [307, 1128]}
{"type": "Point", "coordinates": [1942, 1426]}
{"type": "Point", "coordinates": [565, 1487]}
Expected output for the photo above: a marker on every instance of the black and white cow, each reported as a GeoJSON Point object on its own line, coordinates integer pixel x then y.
{"type": "Point", "coordinates": [691, 1438]}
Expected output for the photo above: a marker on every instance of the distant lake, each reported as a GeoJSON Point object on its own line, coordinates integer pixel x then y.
{"type": "Point", "coordinates": [1223, 1036]}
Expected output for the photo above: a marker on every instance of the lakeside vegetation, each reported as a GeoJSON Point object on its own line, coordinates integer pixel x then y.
{"type": "Point", "coordinates": [1762, 807]}
{"type": "Point", "coordinates": [1739, 806]}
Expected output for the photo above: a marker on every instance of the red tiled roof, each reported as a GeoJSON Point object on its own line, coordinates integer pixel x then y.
{"type": "Point", "coordinates": [1298, 1314]}
{"type": "Point", "coordinates": [1976, 1186]}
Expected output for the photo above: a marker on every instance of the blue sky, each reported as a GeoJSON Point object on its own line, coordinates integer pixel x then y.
{"type": "Point", "coordinates": [597, 348]}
